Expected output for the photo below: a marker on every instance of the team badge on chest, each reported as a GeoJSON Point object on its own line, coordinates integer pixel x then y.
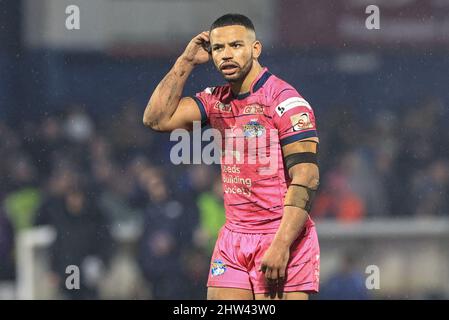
{"type": "Point", "coordinates": [253, 129]}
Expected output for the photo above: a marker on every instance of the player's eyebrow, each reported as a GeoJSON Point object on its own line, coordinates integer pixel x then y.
{"type": "Point", "coordinates": [218, 44]}
{"type": "Point", "coordinates": [236, 42]}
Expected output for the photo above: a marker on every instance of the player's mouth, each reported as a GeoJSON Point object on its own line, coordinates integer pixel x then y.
{"type": "Point", "coordinates": [229, 68]}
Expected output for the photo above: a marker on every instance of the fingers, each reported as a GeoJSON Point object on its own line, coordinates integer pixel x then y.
{"type": "Point", "coordinates": [275, 278]}
{"type": "Point", "coordinates": [281, 276]}
{"type": "Point", "coordinates": [202, 37]}
{"type": "Point", "coordinates": [273, 275]}
{"type": "Point", "coordinates": [266, 271]}
{"type": "Point", "coordinates": [203, 40]}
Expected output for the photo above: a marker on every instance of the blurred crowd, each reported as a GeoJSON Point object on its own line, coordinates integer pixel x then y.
{"type": "Point", "coordinates": [107, 188]}
{"type": "Point", "coordinates": [394, 163]}
{"type": "Point", "coordinates": [136, 224]}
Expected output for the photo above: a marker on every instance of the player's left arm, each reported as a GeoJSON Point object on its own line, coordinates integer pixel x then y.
{"type": "Point", "coordinates": [300, 158]}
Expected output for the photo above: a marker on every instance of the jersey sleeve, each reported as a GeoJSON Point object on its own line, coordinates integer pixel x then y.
{"type": "Point", "coordinates": [293, 117]}
{"type": "Point", "coordinates": [204, 101]}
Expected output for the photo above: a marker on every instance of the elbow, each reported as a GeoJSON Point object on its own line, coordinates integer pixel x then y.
{"type": "Point", "coordinates": [147, 122]}
{"type": "Point", "coordinates": [150, 121]}
{"type": "Point", "coordinates": [152, 124]}
{"type": "Point", "coordinates": [155, 125]}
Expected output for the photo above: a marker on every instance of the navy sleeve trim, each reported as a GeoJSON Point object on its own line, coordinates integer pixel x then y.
{"type": "Point", "coordinates": [299, 136]}
{"type": "Point", "coordinates": [202, 109]}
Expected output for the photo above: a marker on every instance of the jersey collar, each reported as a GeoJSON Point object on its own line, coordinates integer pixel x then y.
{"type": "Point", "coordinates": [256, 85]}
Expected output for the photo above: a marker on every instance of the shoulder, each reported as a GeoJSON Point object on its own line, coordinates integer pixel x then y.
{"type": "Point", "coordinates": [282, 96]}
{"type": "Point", "coordinates": [279, 89]}
{"type": "Point", "coordinates": [288, 108]}
{"type": "Point", "coordinates": [208, 98]}
{"type": "Point", "coordinates": [214, 92]}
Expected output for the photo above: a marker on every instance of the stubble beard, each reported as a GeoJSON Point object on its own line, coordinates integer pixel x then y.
{"type": "Point", "coordinates": [241, 75]}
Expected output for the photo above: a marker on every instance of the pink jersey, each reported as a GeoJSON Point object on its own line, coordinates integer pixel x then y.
{"type": "Point", "coordinates": [272, 112]}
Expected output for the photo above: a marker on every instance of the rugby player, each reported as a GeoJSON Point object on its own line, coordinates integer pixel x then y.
{"type": "Point", "coordinates": [268, 247]}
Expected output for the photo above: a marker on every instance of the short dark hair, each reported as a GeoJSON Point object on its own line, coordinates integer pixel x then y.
{"type": "Point", "coordinates": [232, 19]}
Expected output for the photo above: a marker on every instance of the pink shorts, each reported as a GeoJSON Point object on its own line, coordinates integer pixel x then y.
{"type": "Point", "coordinates": [236, 261]}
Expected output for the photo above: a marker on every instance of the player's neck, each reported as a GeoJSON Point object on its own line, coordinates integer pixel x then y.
{"type": "Point", "coordinates": [245, 85]}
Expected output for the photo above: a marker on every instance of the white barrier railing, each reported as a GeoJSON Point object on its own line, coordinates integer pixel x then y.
{"type": "Point", "coordinates": [412, 255]}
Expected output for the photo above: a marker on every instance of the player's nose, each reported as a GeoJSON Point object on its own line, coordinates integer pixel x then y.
{"type": "Point", "coordinates": [227, 53]}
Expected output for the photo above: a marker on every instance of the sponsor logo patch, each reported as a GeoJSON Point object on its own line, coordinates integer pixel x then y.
{"type": "Point", "coordinates": [291, 103]}
{"type": "Point", "coordinates": [253, 109]}
{"type": "Point", "coordinates": [223, 107]}
{"type": "Point", "coordinates": [301, 121]}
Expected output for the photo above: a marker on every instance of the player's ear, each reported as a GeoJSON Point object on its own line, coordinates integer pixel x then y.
{"type": "Point", "coordinates": [257, 49]}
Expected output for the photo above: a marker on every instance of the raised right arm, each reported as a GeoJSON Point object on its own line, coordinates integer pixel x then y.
{"type": "Point", "coordinates": [166, 110]}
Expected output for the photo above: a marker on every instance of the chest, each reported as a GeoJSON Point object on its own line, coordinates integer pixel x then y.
{"type": "Point", "coordinates": [251, 117]}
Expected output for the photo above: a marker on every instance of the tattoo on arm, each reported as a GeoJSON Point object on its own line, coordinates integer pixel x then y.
{"type": "Point", "coordinates": [170, 84]}
{"type": "Point", "coordinates": [166, 97]}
